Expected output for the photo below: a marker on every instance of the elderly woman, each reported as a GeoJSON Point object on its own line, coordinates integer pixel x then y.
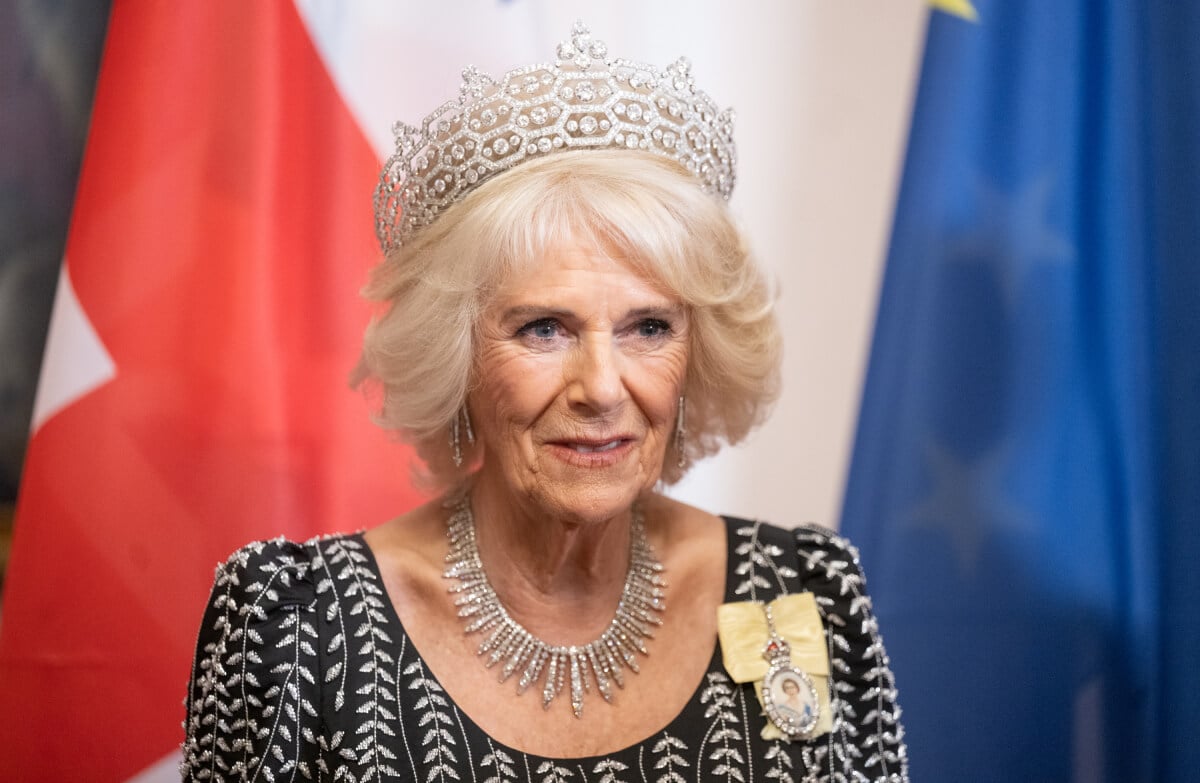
{"type": "Point", "coordinates": [572, 320]}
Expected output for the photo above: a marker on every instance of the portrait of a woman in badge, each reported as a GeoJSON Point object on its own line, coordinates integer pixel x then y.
{"type": "Point", "coordinates": [568, 318]}
{"type": "Point", "coordinates": [789, 696]}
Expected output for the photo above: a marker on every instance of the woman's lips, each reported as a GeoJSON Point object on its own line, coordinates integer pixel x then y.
{"type": "Point", "coordinates": [589, 448]}
{"type": "Point", "coordinates": [593, 453]}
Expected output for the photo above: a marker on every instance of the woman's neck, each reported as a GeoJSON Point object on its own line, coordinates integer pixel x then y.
{"type": "Point", "coordinates": [560, 579]}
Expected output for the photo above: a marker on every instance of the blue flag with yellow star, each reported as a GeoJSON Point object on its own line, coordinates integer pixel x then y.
{"type": "Point", "coordinates": [1025, 486]}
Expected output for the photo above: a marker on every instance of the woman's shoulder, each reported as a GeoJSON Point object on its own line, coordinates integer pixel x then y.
{"type": "Point", "coordinates": [284, 555]}
{"type": "Point", "coordinates": [279, 572]}
{"type": "Point", "coordinates": [808, 557]}
{"type": "Point", "coordinates": [830, 568]}
{"type": "Point", "coordinates": [827, 551]}
{"type": "Point", "coordinates": [814, 543]}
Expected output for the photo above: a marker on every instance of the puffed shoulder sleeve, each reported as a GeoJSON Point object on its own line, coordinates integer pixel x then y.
{"type": "Point", "coordinates": [869, 739]}
{"type": "Point", "coordinates": [253, 696]}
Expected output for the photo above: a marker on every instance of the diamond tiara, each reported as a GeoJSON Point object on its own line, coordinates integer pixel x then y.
{"type": "Point", "coordinates": [583, 100]}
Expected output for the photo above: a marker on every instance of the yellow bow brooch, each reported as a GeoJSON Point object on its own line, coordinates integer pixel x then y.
{"type": "Point", "coordinates": [750, 655]}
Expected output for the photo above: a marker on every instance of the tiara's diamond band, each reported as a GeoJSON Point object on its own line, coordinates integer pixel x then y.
{"type": "Point", "coordinates": [581, 101]}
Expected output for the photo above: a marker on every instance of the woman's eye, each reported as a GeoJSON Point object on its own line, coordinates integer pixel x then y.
{"type": "Point", "coordinates": [653, 327]}
{"type": "Point", "coordinates": [541, 329]}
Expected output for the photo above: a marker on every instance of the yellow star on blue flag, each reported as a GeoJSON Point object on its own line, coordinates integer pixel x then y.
{"type": "Point", "coordinates": [961, 8]}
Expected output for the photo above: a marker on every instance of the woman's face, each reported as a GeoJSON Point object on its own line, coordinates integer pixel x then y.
{"type": "Point", "coordinates": [580, 370]}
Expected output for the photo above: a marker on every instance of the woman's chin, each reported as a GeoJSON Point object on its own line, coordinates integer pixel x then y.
{"type": "Point", "coordinates": [589, 502]}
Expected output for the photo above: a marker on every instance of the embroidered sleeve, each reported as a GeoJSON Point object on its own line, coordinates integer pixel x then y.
{"type": "Point", "coordinates": [867, 741]}
{"type": "Point", "coordinates": [253, 703]}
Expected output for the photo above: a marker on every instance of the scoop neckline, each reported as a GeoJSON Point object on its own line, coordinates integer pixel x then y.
{"type": "Point", "coordinates": [467, 720]}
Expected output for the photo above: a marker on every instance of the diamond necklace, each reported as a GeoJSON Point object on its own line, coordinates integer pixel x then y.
{"type": "Point", "coordinates": [507, 640]}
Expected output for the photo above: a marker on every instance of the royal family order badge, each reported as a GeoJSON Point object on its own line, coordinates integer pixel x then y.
{"type": "Point", "coordinates": [789, 695]}
{"type": "Point", "coordinates": [780, 648]}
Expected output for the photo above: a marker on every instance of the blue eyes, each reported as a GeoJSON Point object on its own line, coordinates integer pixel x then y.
{"type": "Point", "coordinates": [542, 329]}
{"type": "Point", "coordinates": [653, 327]}
{"type": "Point", "coordinates": [547, 329]}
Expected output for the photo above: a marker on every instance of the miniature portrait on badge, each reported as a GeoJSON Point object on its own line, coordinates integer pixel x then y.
{"type": "Point", "coordinates": [790, 700]}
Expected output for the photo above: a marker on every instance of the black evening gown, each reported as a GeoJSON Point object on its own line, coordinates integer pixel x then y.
{"type": "Point", "coordinates": [303, 671]}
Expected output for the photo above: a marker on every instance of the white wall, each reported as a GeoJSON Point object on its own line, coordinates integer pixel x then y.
{"type": "Point", "coordinates": [822, 149]}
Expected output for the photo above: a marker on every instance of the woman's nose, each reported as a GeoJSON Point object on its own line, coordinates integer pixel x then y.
{"type": "Point", "coordinates": [594, 376]}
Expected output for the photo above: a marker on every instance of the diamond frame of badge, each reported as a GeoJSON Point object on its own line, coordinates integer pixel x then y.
{"type": "Point", "coordinates": [778, 653]}
{"type": "Point", "coordinates": [582, 100]}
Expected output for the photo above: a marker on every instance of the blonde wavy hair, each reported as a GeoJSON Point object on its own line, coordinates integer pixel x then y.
{"type": "Point", "coordinates": [420, 350]}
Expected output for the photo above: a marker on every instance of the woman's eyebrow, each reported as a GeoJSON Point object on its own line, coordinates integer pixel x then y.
{"type": "Point", "coordinates": [528, 311]}
{"type": "Point", "coordinates": [535, 311]}
{"type": "Point", "coordinates": [660, 311]}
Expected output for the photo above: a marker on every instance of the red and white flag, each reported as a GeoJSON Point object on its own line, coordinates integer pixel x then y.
{"type": "Point", "coordinates": [194, 395]}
